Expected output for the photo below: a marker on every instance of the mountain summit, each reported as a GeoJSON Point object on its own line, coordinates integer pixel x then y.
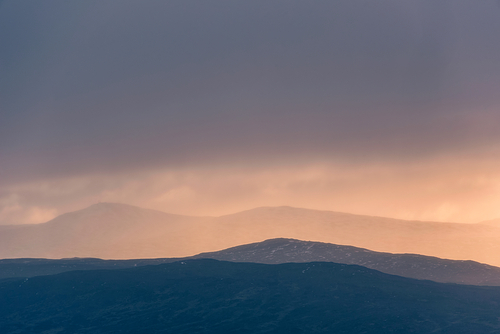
{"type": "Point", "coordinates": [282, 250]}
{"type": "Point", "coordinates": [104, 230]}
{"type": "Point", "coordinates": [109, 230]}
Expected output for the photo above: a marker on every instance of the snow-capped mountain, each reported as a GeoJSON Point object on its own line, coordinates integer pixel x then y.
{"type": "Point", "coordinates": [281, 250]}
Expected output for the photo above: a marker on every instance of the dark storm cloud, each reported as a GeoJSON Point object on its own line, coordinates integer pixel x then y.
{"type": "Point", "coordinates": [103, 85]}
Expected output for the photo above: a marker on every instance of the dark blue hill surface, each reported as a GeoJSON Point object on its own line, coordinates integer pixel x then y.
{"type": "Point", "coordinates": [22, 268]}
{"type": "Point", "coordinates": [209, 296]}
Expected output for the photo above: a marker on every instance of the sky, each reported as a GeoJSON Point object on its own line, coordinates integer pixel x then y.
{"type": "Point", "coordinates": [386, 108]}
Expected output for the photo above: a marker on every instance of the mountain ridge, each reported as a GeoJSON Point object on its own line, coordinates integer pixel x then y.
{"type": "Point", "coordinates": [281, 250]}
{"type": "Point", "coordinates": [119, 231]}
{"type": "Point", "coordinates": [109, 206]}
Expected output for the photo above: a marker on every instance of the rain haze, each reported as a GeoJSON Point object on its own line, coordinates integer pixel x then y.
{"type": "Point", "coordinates": [384, 108]}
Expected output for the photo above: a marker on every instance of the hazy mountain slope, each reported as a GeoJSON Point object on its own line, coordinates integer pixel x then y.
{"type": "Point", "coordinates": [492, 222]}
{"type": "Point", "coordinates": [121, 231]}
{"type": "Point", "coordinates": [104, 230]}
{"type": "Point", "coordinates": [208, 296]}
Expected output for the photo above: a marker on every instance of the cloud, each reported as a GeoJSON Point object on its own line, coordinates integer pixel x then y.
{"type": "Point", "coordinates": [97, 95]}
{"type": "Point", "coordinates": [460, 190]}
{"type": "Point", "coordinates": [12, 212]}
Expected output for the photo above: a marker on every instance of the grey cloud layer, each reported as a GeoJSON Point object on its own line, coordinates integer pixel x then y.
{"type": "Point", "coordinates": [103, 85]}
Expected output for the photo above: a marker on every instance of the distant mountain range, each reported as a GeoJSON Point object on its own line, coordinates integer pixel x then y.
{"type": "Point", "coordinates": [118, 231]}
{"type": "Point", "coordinates": [209, 296]}
{"type": "Point", "coordinates": [277, 251]}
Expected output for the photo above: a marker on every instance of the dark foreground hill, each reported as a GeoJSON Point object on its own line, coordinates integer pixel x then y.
{"type": "Point", "coordinates": [208, 296]}
{"type": "Point", "coordinates": [275, 251]}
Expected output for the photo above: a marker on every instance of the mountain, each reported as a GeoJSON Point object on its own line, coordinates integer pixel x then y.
{"type": "Point", "coordinates": [479, 242]}
{"type": "Point", "coordinates": [209, 296]}
{"type": "Point", "coordinates": [277, 251]}
{"type": "Point", "coordinates": [120, 231]}
{"type": "Point", "coordinates": [104, 230]}
{"type": "Point", "coordinates": [281, 250]}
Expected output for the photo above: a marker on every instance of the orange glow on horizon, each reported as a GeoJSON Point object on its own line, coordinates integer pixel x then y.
{"type": "Point", "coordinates": [457, 190]}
